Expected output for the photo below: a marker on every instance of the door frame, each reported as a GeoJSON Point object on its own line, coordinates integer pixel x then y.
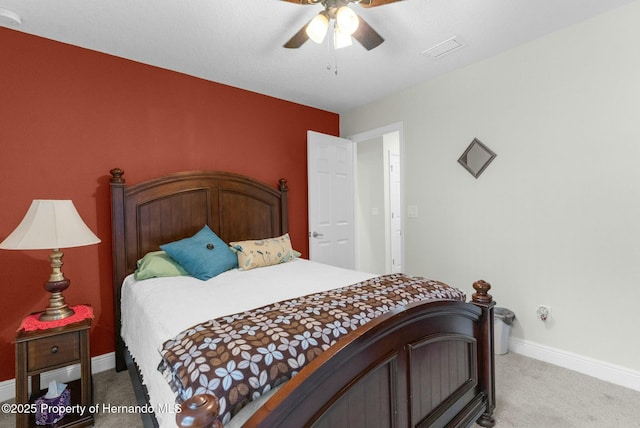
{"type": "Point", "coordinates": [361, 137]}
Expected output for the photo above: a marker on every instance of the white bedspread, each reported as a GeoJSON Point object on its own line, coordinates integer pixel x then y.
{"type": "Point", "coordinates": [157, 309]}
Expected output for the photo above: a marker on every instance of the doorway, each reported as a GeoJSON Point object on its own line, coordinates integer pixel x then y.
{"type": "Point", "coordinates": [378, 197]}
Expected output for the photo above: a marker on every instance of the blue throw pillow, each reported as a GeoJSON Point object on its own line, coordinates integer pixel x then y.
{"type": "Point", "coordinates": [204, 255]}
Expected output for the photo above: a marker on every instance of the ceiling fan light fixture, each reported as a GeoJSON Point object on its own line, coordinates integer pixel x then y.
{"type": "Point", "coordinates": [317, 28]}
{"type": "Point", "coordinates": [347, 20]}
{"type": "Point", "coordinates": [341, 39]}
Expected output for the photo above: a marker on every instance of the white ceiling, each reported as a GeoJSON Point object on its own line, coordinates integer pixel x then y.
{"type": "Point", "coordinates": [239, 42]}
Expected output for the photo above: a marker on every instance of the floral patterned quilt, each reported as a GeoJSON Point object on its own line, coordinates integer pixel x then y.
{"type": "Point", "coordinates": [239, 357]}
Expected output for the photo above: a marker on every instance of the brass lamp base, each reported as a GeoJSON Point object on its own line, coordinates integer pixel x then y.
{"type": "Point", "coordinates": [50, 314]}
{"type": "Point", "coordinates": [57, 308]}
{"type": "Point", "coordinates": [57, 283]}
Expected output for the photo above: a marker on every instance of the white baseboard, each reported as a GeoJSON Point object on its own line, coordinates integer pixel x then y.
{"type": "Point", "coordinates": [99, 364]}
{"type": "Point", "coordinates": [599, 369]}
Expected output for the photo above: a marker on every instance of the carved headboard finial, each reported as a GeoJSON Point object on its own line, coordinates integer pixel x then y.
{"type": "Point", "coordinates": [116, 175]}
{"type": "Point", "coordinates": [283, 185]}
{"type": "Point", "coordinates": [482, 292]}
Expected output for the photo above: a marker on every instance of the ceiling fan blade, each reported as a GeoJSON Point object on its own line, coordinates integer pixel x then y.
{"type": "Point", "coordinates": [298, 39]}
{"type": "Point", "coordinates": [367, 3]}
{"type": "Point", "coordinates": [367, 36]}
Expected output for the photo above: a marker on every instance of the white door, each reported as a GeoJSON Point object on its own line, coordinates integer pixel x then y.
{"type": "Point", "coordinates": [396, 214]}
{"type": "Point", "coordinates": [331, 200]}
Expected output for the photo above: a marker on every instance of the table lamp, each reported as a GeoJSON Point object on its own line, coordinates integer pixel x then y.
{"type": "Point", "coordinates": [51, 224]}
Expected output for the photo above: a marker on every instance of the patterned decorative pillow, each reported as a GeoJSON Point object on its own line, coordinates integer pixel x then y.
{"type": "Point", "coordinates": [204, 255]}
{"type": "Point", "coordinates": [263, 252]}
{"type": "Point", "coordinates": [158, 264]}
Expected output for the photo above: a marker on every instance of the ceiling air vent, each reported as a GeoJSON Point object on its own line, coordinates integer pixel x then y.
{"type": "Point", "coordinates": [444, 48]}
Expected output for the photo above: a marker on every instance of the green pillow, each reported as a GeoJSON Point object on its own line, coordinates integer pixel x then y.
{"type": "Point", "coordinates": [158, 264]}
{"type": "Point", "coordinates": [204, 255]}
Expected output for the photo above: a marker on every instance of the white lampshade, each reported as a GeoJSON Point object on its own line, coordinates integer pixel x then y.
{"type": "Point", "coordinates": [317, 28]}
{"type": "Point", "coordinates": [50, 224]}
{"type": "Point", "coordinates": [347, 20]}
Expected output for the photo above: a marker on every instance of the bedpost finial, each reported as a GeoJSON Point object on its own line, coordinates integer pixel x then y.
{"type": "Point", "coordinates": [283, 185]}
{"type": "Point", "coordinates": [481, 295]}
{"type": "Point", "coordinates": [199, 411]}
{"type": "Point", "coordinates": [116, 175]}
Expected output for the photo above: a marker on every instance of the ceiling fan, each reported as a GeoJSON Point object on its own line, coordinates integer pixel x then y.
{"type": "Point", "coordinates": [346, 24]}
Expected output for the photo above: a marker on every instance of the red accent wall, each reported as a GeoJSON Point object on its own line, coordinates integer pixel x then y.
{"type": "Point", "coordinates": [68, 115]}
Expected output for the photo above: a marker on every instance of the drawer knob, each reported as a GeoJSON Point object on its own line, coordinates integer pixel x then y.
{"type": "Point", "coordinates": [54, 349]}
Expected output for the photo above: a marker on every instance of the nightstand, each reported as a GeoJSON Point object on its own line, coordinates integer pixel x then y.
{"type": "Point", "coordinates": [39, 351]}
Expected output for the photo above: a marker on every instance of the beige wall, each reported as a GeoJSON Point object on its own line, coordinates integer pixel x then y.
{"type": "Point", "coordinates": [555, 219]}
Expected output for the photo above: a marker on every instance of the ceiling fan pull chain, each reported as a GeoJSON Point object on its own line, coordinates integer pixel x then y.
{"type": "Point", "coordinates": [333, 56]}
{"type": "Point", "coordinates": [334, 50]}
{"type": "Point", "coordinates": [329, 66]}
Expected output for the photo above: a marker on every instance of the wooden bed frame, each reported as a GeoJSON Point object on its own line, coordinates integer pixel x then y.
{"type": "Point", "coordinates": [429, 364]}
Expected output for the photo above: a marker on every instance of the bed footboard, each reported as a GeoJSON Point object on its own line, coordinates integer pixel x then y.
{"type": "Point", "coordinates": [430, 364]}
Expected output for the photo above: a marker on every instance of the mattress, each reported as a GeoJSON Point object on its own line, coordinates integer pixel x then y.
{"type": "Point", "coordinates": [157, 309]}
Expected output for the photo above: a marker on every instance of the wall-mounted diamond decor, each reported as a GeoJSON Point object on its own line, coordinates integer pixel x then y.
{"type": "Point", "coordinates": [476, 158]}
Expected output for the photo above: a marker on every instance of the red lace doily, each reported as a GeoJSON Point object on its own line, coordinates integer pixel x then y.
{"type": "Point", "coordinates": [32, 322]}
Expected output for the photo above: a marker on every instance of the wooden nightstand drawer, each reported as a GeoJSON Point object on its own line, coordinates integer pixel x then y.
{"type": "Point", "coordinates": [41, 350]}
{"type": "Point", "coordinates": [49, 352]}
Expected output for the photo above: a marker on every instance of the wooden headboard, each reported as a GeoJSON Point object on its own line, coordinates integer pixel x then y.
{"type": "Point", "coordinates": [154, 212]}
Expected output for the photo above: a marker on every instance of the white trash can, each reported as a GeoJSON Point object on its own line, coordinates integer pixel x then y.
{"type": "Point", "coordinates": [503, 318]}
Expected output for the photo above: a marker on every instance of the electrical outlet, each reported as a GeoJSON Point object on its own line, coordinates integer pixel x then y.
{"type": "Point", "coordinates": [543, 313]}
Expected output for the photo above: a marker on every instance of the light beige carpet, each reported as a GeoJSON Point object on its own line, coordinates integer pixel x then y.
{"type": "Point", "coordinates": [529, 393]}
